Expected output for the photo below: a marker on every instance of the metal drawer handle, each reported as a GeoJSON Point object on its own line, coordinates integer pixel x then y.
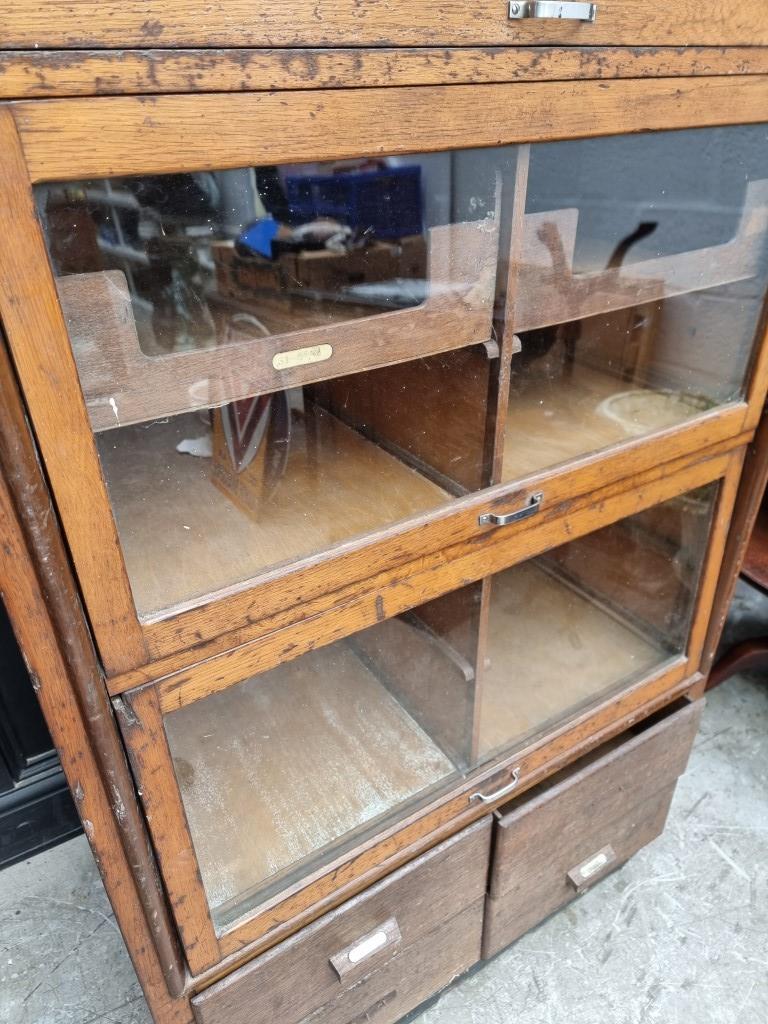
{"type": "Point", "coordinates": [491, 798]}
{"type": "Point", "coordinates": [386, 937]}
{"type": "Point", "coordinates": [552, 9]}
{"type": "Point", "coordinates": [533, 506]}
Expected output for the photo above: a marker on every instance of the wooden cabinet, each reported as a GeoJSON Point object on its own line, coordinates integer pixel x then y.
{"type": "Point", "coordinates": [387, 440]}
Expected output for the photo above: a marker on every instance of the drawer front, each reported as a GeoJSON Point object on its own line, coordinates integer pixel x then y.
{"type": "Point", "coordinates": [347, 22]}
{"type": "Point", "coordinates": [564, 839]}
{"type": "Point", "coordinates": [375, 957]}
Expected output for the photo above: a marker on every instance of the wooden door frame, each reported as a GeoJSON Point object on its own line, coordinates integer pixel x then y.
{"type": "Point", "coordinates": [73, 138]}
{"type": "Point", "coordinates": [141, 711]}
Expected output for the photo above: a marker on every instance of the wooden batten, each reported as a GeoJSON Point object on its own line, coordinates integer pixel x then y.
{"type": "Point", "coordinates": [34, 74]}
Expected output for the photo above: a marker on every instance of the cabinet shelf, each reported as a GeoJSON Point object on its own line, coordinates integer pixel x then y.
{"type": "Point", "coordinates": [123, 385]}
{"type": "Point", "coordinates": [549, 292]}
{"type": "Point", "coordinates": [306, 754]}
{"type": "Point", "coordinates": [183, 538]}
{"type": "Point", "coordinates": [581, 649]}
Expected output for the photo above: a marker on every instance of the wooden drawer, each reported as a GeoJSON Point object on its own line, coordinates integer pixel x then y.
{"type": "Point", "coordinates": [375, 957]}
{"type": "Point", "coordinates": [576, 828]}
{"type": "Point", "coordinates": [160, 23]}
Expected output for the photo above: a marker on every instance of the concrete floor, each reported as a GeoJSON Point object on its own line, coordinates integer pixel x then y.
{"type": "Point", "coordinates": [677, 936]}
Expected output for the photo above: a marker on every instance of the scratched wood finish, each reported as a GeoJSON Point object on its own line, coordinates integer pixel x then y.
{"type": "Point", "coordinates": [435, 903]}
{"type": "Point", "coordinates": [28, 74]}
{"type": "Point", "coordinates": [170, 23]}
{"type": "Point", "coordinates": [427, 576]}
{"type": "Point", "coordinates": [619, 800]}
{"type": "Point", "coordinates": [40, 347]}
{"type": "Point", "coordinates": [79, 138]}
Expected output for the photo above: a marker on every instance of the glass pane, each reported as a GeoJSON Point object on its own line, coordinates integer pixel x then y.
{"type": "Point", "coordinates": [590, 617]}
{"type": "Point", "coordinates": [286, 770]}
{"type": "Point", "coordinates": [639, 290]}
{"type": "Point", "coordinates": [277, 360]}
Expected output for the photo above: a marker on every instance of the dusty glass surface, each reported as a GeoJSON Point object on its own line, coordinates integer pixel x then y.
{"type": "Point", "coordinates": [277, 360]}
{"type": "Point", "coordinates": [286, 770]}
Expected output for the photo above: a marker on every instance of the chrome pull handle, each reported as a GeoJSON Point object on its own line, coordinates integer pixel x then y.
{"type": "Point", "coordinates": [491, 798]}
{"type": "Point", "coordinates": [564, 9]}
{"type": "Point", "coordinates": [533, 506]}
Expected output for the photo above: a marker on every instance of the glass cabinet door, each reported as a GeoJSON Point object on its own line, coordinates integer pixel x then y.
{"type": "Point", "coordinates": [278, 360]}
{"type": "Point", "coordinates": [286, 770]}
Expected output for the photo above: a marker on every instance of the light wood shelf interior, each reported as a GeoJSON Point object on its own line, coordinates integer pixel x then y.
{"type": "Point", "coordinates": [183, 538]}
{"type": "Point", "coordinates": [278, 768]}
{"type": "Point", "coordinates": [549, 648]}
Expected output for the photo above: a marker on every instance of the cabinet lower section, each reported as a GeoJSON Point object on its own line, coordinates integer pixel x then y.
{"type": "Point", "coordinates": [381, 954]}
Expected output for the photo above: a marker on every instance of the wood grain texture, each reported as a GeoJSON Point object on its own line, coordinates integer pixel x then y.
{"type": "Point", "coordinates": [184, 539]}
{"type": "Point", "coordinates": [167, 23]}
{"type": "Point", "coordinates": [123, 385]}
{"type": "Point", "coordinates": [550, 649]}
{"type": "Point", "coordinates": [328, 580]}
{"type": "Point", "coordinates": [431, 574]}
{"type": "Point", "coordinates": [435, 903]}
{"type": "Point", "coordinates": [76, 138]}
{"type": "Point", "coordinates": [40, 347]}
{"type": "Point", "coordinates": [620, 799]}
{"type": "Point", "coordinates": [37, 591]}
{"type": "Point", "coordinates": [28, 74]}
{"type": "Point", "coordinates": [276, 771]}
{"type": "Point", "coordinates": [141, 724]}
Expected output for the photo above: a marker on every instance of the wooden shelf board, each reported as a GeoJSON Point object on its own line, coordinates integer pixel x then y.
{"type": "Point", "coordinates": [549, 649]}
{"type": "Point", "coordinates": [184, 539]}
{"type": "Point", "coordinates": [281, 766]}
{"type": "Point", "coordinates": [552, 420]}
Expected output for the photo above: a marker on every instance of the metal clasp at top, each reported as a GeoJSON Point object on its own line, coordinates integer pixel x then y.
{"type": "Point", "coordinates": [563, 9]}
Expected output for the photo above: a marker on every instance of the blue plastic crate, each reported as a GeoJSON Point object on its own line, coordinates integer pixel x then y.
{"type": "Point", "coordinates": [386, 203]}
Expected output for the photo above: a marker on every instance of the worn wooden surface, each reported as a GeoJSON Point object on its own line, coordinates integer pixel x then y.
{"type": "Point", "coordinates": [184, 540]}
{"type": "Point", "coordinates": [393, 592]}
{"type": "Point", "coordinates": [288, 595]}
{"type": "Point", "coordinates": [549, 650]}
{"type": "Point", "coordinates": [142, 726]}
{"type": "Point", "coordinates": [37, 333]}
{"type": "Point", "coordinates": [166, 23]}
{"type": "Point", "coordinates": [31, 73]}
{"type": "Point", "coordinates": [620, 799]}
{"type": "Point", "coordinates": [38, 593]}
{"type": "Point", "coordinates": [79, 138]}
{"type": "Point", "coordinates": [434, 901]}
{"type": "Point", "coordinates": [275, 771]}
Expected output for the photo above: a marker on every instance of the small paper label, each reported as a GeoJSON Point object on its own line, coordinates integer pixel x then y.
{"type": "Point", "coordinates": [302, 356]}
{"type": "Point", "coordinates": [594, 865]}
{"type": "Point", "coordinates": [367, 946]}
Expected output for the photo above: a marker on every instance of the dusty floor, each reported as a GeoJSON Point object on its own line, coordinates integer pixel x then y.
{"type": "Point", "coordinates": [678, 936]}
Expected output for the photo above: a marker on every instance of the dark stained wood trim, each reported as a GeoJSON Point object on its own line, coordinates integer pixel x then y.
{"type": "Point", "coordinates": [86, 708]}
{"type": "Point", "coordinates": [30, 74]}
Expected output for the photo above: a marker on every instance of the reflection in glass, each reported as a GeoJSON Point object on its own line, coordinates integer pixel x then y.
{"type": "Point", "coordinates": [286, 770]}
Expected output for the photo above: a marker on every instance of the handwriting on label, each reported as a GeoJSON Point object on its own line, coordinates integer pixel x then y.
{"type": "Point", "coordinates": [594, 865]}
{"type": "Point", "coordinates": [302, 356]}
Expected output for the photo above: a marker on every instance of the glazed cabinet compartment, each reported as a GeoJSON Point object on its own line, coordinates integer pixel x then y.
{"type": "Point", "coordinates": [293, 372]}
{"type": "Point", "coordinates": [268, 794]}
{"type": "Point", "coordinates": [374, 958]}
{"type": "Point", "coordinates": [572, 830]}
{"type": "Point", "coordinates": [299, 23]}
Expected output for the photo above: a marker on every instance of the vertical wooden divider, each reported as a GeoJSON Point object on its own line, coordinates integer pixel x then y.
{"type": "Point", "coordinates": [511, 237]}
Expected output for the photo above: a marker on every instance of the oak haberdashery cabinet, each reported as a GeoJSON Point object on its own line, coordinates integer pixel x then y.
{"type": "Point", "coordinates": [377, 380]}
